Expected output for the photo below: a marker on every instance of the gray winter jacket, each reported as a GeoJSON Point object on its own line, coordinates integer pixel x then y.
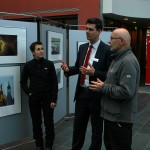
{"type": "Point", "coordinates": [119, 102]}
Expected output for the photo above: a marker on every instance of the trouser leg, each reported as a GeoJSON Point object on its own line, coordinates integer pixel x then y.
{"type": "Point", "coordinates": [107, 140]}
{"type": "Point", "coordinates": [96, 124]}
{"type": "Point", "coordinates": [35, 111]}
{"type": "Point", "coordinates": [80, 124]}
{"type": "Point", "coordinates": [119, 135]}
{"type": "Point", "coordinates": [49, 123]}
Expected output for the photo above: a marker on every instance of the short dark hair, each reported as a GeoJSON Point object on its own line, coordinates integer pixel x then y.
{"type": "Point", "coordinates": [32, 46]}
{"type": "Point", "coordinates": [96, 21]}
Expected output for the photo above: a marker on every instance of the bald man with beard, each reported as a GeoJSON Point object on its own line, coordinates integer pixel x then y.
{"type": "Point", "coordinates": [120, 93]}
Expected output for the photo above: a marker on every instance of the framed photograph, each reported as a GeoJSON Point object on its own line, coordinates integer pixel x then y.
{"type": "Point", "coordinates": [12, 45]}
{"type": "Point", "coordinates": [55, 46]}
{"type": "Point", "coordinates": [59, 73]}
{"type": "Point", "coordinates": [80, 43]}
{"type": "Point", "coordinates": [10, 92]}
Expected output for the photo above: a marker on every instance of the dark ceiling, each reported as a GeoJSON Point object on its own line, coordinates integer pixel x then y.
{"type": "Point", "coordinates": [140, 22]}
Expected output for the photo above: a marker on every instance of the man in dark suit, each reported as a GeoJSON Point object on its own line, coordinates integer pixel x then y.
{"type": "Point", "coordinates": [88, 103]}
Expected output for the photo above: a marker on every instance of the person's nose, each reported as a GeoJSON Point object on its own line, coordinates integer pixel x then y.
{"type": "Point", "coordinates": [87, 30]}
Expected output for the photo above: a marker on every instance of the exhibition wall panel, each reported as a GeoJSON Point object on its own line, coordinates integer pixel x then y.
{"type": "Point", "coordinates": [16, 125]}
{"type": "Point", "coordinates": [54, 41]}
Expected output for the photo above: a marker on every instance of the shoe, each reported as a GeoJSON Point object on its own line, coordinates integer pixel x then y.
{"type": "Point", "coordinates": [39, 148]}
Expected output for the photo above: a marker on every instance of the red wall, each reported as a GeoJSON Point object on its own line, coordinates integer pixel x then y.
{"type": "Point", "coordinates": [148, 62]}
{"type": "Point", "coordinates": [87, 8]}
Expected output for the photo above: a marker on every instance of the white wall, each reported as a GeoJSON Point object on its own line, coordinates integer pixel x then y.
{"type": "Point", "coordinates": [129, 8]}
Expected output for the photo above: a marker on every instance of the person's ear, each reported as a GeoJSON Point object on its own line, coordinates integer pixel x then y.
{"type": "Point", "coordinates": [122, 40]}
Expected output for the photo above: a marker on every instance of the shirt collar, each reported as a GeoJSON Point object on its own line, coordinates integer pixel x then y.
{"type": "Point", "coordinates": [95, 45]}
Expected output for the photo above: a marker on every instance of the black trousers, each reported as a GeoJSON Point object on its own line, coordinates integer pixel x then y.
{"type": "Point", "coordinates": [37, 105]}
{"type": "Point", "coordinates": [117, 135]}
{"type": "Point", "coordinates": [87, 107]}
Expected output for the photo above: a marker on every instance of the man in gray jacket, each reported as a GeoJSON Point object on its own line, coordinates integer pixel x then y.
{"type": "Point", "coordinates": [120, 93]}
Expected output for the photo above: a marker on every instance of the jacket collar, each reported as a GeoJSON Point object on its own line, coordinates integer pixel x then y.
{"type": "Point", "coordinates": [38, 60]}
{"type": "Point", "coordinates": [118, 55]}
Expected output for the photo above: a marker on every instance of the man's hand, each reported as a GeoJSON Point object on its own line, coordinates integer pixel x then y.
{"type": "Point", "coordinates": [87, 71]}
{"type": "Point", "coordinates": [52, 105]}
{"type": "Point", "coordinates": [96, 85]}
{"type": "Point", "coordinates": [64, 66]}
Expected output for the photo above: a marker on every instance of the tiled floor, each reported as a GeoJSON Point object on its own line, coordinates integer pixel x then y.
{"type": "Point", "coordinates": [141, 130]}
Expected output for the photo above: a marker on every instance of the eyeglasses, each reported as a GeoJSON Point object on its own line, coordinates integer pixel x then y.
{"type": "Point", "coordinates": [111, 38]}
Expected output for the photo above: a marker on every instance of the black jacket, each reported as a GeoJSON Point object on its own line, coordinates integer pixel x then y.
{"type": "Point", "coordinates": [43, 79]}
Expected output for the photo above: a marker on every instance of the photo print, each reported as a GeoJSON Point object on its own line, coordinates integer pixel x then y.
{"type": "Point", "coordinates": [59, 74]}
{"type": "Point", "coordinates": [55, 46]}
{"type": "Point", "coordinates": [12, 45]}
{"type": "Point", "coordinates": [10, 90]}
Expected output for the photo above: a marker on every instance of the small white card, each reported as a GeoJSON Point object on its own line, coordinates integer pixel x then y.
{"type": "Point", "coordinates": [95, 59]}
{"type": "Point", "coordinates": [86, 82]}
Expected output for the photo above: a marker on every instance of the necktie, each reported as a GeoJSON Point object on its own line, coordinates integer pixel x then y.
{"type": "Point", "coordinates": [82, 79]}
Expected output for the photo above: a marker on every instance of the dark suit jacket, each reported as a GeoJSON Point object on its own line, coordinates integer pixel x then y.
{"type": "Point", "coordinates": [101, 67]}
